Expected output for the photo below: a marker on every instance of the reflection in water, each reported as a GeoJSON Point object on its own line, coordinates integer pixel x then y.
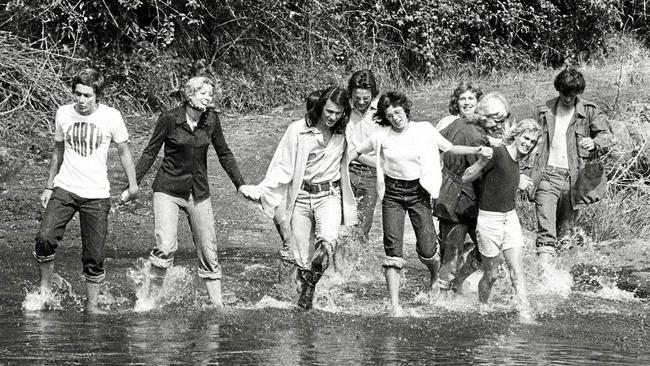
{"type": "Point", "coordinates": [262, 325]}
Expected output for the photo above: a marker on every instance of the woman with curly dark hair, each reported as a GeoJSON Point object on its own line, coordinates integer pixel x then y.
{"type": "Point", "coordinates": [462, 103]}
{"type": "Point", "coordinates": [408, 175]}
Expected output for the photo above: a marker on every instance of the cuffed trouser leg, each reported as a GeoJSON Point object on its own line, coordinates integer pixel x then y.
{"type": "Point", "coordinates": [394, 262]}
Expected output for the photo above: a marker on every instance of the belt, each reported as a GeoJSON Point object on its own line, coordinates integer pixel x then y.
{"type": "Point", "coordinates": [362, 167]}
{"type": "Point", "coordinates": [319, 187]}
{"type": "Point", "coordinates": [551, 168]}
{"type": "Point", "coordinates": [401, 182]}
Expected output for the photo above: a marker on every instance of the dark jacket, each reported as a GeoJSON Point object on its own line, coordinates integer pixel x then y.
{"type": "Point", "coordinates": [184, 166]}
{"type": "Point", "coordinates": [587, 121]}
{"type": "Point", "coordinates": [457, 201]}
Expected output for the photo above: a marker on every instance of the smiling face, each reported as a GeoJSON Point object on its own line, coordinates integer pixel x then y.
{"type": "Point", "coordinates": [525, 143]}
{"type": "Point", "coordinates": [361, 99]}
{"type": "Point", "coordinates": [85, 99]}
{"type": "Point", "coordinates": [202, 98]}
{"type": "Point", "coordinates": [467, 103]}
{"type": "Point", "coordinates": [397, 118]}
{"type": "Point", "coordinates": [331, 114]}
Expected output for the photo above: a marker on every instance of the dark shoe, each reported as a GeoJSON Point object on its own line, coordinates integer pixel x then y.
{"type": "Point", "coordinates": [307, 296]}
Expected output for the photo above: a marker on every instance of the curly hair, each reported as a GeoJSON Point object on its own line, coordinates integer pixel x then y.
{"type": "Point", "coordinates": [523, 126]}
{"type": "Point", "coordinates": [392, 99]}
{"type": "Point", "coordinates": [339, 97]}
{"type": "Point", "coordinates": [460, 89]}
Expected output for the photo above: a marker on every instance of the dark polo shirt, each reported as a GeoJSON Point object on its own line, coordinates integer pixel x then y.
{"type": "Point", "coordinates": [184, 166]}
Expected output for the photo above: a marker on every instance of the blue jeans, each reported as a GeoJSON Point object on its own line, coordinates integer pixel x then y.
{"type": "Point", "coordinates": [555, 213]}
{"type": "Point", "coordinates": [201, 220]}
{"type": "Point", "coordinates": [93, 219]}
{"type": "Point", "coordinates": [363, 179]}
{"type": "Point", "coordinates": [400, 197]}
{"type": "Point", "coordinates": [315, 221]}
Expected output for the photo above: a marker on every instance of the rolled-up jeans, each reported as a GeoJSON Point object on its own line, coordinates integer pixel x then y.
{"type": "Point", "coordinates": [363, 179]}
{"type": "Point", "coordinates": [316, 218]}
{"type": "Point", "coordinates": [93, 220]}
{"type": "Point", "coordinates": [555, 213]}
{"type": "Point", "coordinates": [400, 197]}
{"type": "Point", "coordinates": [201, 220]}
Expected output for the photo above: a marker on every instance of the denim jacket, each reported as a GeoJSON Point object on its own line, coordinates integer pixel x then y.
{"type": "Point", "coordinates": [587, 121]}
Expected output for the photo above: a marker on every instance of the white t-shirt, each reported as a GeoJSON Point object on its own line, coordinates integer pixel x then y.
{"type": "Point", "coordinates": [558, 151]}
{"type": "Point", "coordinates": [399, 158]}
{"type": "Point", "coordinates": [87, 138]}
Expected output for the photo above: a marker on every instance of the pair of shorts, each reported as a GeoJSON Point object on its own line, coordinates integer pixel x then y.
{"type": "Point", "coordinates": [498, 231]}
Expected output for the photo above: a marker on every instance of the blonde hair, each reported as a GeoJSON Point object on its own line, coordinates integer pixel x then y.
{"type": "Point", "coordinates": [195, 84]}
{"type": "Point", "coordinates": [511, 133]}
{"type": "Point", "coordinates": [494, 105]}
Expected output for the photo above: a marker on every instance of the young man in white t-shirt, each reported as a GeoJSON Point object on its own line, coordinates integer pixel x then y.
{"type": "Point", "coordinates": [78, 181]}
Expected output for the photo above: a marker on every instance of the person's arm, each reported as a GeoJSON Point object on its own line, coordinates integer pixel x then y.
{"type": "Point", "coordinates": [603, 137]}
{"type": "Point", "coordinates": [225, 155]}
{"type": "Point", "coordinates": [126, 160]}
{"type": "Point", "coordinates": [55, 164]}
{"type": "Point", "coordinates": [475, 170]}
{"type": "Point", "coordinates": [150, 152]}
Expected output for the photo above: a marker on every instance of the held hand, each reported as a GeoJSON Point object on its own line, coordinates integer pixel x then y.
{"type": "Point", "coordinates": [45, 197]}
{"type": "Point", "coordinates": [250, 192]}
{"type": "Point", "coordinates": [128, 195]}
{"type": "Point", "coordinates": [485, 152]}
{"type": "Point", "coordinates": [587, 143]}
{"type": "Point", "coordinates": [525, 183]}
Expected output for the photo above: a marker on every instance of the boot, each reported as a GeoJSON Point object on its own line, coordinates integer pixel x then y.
{"type": "Point", "coordinates": [307, 292]}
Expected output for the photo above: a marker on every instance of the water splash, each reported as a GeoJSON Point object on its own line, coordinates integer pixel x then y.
{"type": "Point", "coordinates": [62, 293]}
{"type": "Point", "coordinates": [175, 289]}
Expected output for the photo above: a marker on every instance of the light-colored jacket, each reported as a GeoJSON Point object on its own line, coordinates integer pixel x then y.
{"type": "Point", "coordinates": [285, 174]}
{"type": "Point", "coordinates": [429, 143]}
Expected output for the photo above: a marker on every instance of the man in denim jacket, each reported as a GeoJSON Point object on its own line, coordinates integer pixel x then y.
{"type": "Point", "coordinates": [574, 132]}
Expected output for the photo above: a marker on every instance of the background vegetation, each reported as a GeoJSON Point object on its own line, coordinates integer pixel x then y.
{"type": "Point", "coordinates": [271, 53]}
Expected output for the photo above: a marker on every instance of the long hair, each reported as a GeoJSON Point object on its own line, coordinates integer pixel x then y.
{"type": "Point", "coordinates": [363, 79]}
{"type": "Point", "coordinates": [339, 97]}
{"type": "Point", "coordinates": [394, 99]}
{"type": "Point", "coordinates": [493, 105]}
{"type": "Point", "coordinates": [511, 133]}
{"type": "Point", "coordinates": [460, 89]}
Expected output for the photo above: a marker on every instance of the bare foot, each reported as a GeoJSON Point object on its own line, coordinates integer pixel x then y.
{"type": "Point", "coordinates": [397, 311]}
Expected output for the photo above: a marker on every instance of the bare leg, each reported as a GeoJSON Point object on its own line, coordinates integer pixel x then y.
{"type": "Point", "coordinates": [156, 282]}
{"type": "Point", "coordinates": [392, 282]}
{"type": "Point", "coordinates": [46, 271]}
{"type": "Point", "coordinates": [92, 291]}
{"type": "Point", "coordinates": [490, 274]}
{"type": "Point", "coordinates": [214, 291]}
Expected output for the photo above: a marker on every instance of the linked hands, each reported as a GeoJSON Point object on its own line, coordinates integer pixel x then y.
{"type": "Point", "coordinates": [485, 152]}
{"type": "Point", "coordinates": [128, 195]}
{"type": "Point", "coordinates": [250, 192]}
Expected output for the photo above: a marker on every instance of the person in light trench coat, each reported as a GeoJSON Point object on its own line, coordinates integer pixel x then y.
{"type": "Point", "coordinates": [310, 169]}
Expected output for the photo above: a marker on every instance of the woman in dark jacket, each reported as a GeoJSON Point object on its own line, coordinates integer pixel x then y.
{"type": "Point", "coordinates": [182, 183]}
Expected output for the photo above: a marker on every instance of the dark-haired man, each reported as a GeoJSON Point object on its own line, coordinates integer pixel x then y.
{"type": "Point", "coordinates": [363, 92]}
{"type": "Point", "coordinates": [78, 181]}
{"type": "Point", "coordinates": [574, 131]}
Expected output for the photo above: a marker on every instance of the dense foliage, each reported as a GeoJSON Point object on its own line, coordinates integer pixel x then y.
{"type": "Point", "coordinates": [268, 53]}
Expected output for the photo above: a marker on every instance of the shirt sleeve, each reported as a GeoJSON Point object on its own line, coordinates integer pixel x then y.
{"type": "Point", "coordinates": [225, 155]}
{"type": "Point", "coordinates": [58, 129]}
{"type": "Point", "coordinates": [153, 147]}
{"type": "Point", "coordinates": [443, 143]}
{"type": "Point", "coordinates": [120, 133]}
{"type": "Point", "coordinates": [280, 172]}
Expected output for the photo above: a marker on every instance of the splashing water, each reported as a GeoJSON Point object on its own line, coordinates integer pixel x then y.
{"type": "Point", "coordinates": [175, 289]}
{"type": "Point", "coordinates": [61, 295]}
